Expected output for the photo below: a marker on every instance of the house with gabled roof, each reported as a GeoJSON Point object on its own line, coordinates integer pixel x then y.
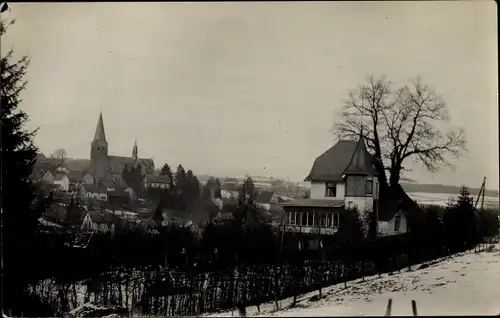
{"type": "Point", "coordinates": [98, 221]}
{"type": "Point", "coordinates": [156, 182]}
{"type": "Point", "coordinates": [62, 180]}
{"type": "Point", "coordinates": [342, 177]}
{"type": "Point", "coordinates": [266, 199]}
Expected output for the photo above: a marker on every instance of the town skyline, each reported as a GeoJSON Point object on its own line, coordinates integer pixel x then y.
{"type": "Point", "coordinates": [223, 95]}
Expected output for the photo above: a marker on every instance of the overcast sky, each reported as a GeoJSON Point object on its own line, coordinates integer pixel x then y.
{"type": "Point", "coordinates": [237, 88]}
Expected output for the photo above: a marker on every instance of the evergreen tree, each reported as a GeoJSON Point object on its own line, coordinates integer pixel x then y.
{"type": "Point", "coordinates": [158, 213]}
{"type": "Point", "coordinates": [218, 193]}
{"type": "Point", "coordinates": [72, 212]}
{"type": "Point", "coordinates": [17, 157]}
{"type": "Point", "coordinates": [247, 192]}
{"type": "Point", "coordinates": [196, 188]}
{"type": "Point", "coordinates": [180, 178]}
{"type": "Point", "coordinates": [351, 227]}
{"type": "Point", "coordinates": [460, 220]}
{"type": "Point", "coordinates": [166, 171]}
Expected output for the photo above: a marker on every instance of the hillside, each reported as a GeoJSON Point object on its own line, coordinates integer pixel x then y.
{"type": "Point", "coordinates": [440, 188]}
{"type": "Point", "coordinates": [463, 285]}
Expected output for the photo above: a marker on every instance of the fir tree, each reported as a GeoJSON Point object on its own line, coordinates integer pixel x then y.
{"type": "Point", "coordinates": [166, 171]}
{"type": "Point", "coordinates": [17, 157]}
{"type": "Point", "coordinates": [460, 220]}
{"type": "Point", "coordinates": [218, 193]}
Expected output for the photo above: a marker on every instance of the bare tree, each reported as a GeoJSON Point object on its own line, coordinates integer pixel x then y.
{"type": "Point", "coordinates": [409, 123]}
{"type": "Point", "coordinates": [58, 158]}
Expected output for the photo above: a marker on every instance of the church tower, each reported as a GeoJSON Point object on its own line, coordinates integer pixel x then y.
{"type": "Point", "coordinates": [99, 152]}
{"type": "Point", "coordinates": [135, 151]}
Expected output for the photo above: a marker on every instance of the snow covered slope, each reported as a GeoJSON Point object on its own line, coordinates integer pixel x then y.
{"type": "Point", "coordinates": [468, 284]}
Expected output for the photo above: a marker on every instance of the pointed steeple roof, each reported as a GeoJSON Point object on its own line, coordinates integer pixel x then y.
{"type": "Point", "coordinates": [360, 161]}
{"type": "Point", "coordinates": [99, 130]}
{"type": "Point", "coordinates": [134, 150]}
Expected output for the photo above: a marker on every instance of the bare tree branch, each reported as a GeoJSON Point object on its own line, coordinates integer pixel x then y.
{"type": "Point", "coordinates": [410, 122]}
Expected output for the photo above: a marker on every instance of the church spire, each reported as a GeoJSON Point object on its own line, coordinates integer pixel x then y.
{"type": "Point", "coordinates": [99, 130]}
{"type": "Point", "coordinates": [134, 150]}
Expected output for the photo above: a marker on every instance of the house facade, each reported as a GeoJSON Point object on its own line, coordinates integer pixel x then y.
{"type": "Point", "coordinates": [157, 182]}
{"type": "Point", "coordinates": [98, 221]}
{"type": "Point", "coordinates": [343, 177]}
{"type": "Point", "coordinates": [62, 180]}
{"type": "Point", "coordinates": [93, 194]}
{"type": "Point", "coordinates": [266, 200]}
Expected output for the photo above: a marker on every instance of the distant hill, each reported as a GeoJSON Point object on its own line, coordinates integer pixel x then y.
{"type": "Point", "coordinates": [440, 188]}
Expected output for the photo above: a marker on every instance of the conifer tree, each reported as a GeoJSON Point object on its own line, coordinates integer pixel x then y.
{"type": "Point", "coordinates": [17, 157]}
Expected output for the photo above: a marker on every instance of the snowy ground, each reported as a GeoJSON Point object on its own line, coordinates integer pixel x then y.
{"type": "Point", "coordinates": [468, 284]}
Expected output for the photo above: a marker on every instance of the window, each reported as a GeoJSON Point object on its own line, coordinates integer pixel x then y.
{"type": "Point", "coordinates": [292, 218]}
{"type": "Point", "coordinates": [304, 219]}
{"type": "Point", "coordinates": [397, 222]}
{"type": "Point", "coordinates": [329, 220]}
{"type": "Point", "coordinates": [331, 189]}
{"type": "Point", "coordinates": [332, 220]}
{"type": "Point", "coordinates": [310, 218]}
{"type": "Point", "coordinates": [369, 187]}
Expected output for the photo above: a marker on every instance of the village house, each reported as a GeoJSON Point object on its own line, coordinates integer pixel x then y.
{"type": "Point", "coordinates": [76, 179]}
{"type": "Point", "coordinates": [48, 177]}
{"type": "Point", "coordinates": [98, 221]}
{"type": "Point", "coordinates": [118, 198]}
{"type": "Point", "coordinates": [90, 193]}
{"type": "Point", "coordinates": [266, 200]}
{"type": "Point", "coordinates": [62, 180]}
{"type": "Point", "coordinates": [342, 177]}
{"type": "Point", "coordinates": [156, 182]}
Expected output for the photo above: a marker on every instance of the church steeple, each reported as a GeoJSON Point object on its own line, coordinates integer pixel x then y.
{"type": "Point", "coordinates": [99, 130]}
{"type": "Point", "coordinates": [99, 152]}
{"type": "Point", "coordinates": [134, 150]}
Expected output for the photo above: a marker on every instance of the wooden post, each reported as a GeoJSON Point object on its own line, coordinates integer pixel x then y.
{"type": "Point", "coordinates": [389, 307]}
{"type": "Point", "coordinates": [414, 307]}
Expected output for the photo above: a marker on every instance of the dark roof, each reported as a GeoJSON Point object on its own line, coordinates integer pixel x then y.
{"type": "Point", "coordinates": [116, 164]}
{"type": "Point", "coordinates": [101, 217]}
{"type": "Point", "coordinates": [331, 165]}
{"type": "Point", "coordinates": [56, 212]}
{"type": "Point", "coordinates": [99, 130]}
{"type": "Point", "coordinates": [51, 186]}
{"type": "Point", "coordinates": [59, 176]}
{"type": "Point", "coordinates": [388, 208]}
{"type": "Point", "coordinates": [360, 162]}
{"type": "Point", "coordinates": [157, 179]}
{"type": "Point", "coordinates": [118, 192]}
{"type": "Point", "coordinates": [319, 203]}
{"type": "Point", "coordinates": [40, 157]}
{"type": "Point", "coordinates": [39, 170]}
{"type": "Point", "coordinates": [281, 200]}
{"type": "Point", "coordinates": [75, 176]}
{"type": "Point", "coordinates": [80, 165]}
{"type": "Point", "coordinates": [264, 197]}
{"type": "Point", "coordinates": [94, 189]}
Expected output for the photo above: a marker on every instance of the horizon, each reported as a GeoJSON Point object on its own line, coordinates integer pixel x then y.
{"type": "Point", "coordinates": [224, 95]}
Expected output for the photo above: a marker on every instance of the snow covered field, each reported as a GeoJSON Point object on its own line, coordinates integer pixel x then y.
{"type": "Point", "coordinates": [468, 284]}
{"type": "Point", "coordinates": [443, 198]}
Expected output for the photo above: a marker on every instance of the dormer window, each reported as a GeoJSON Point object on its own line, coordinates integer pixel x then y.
{"type": "Point", "coordinates": [331, 189]}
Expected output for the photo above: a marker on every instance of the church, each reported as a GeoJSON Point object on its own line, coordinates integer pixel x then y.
{"type": "Point", "coordinates": [106, 167]}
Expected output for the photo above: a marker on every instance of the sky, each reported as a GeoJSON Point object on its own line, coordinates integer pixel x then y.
{"type": "Point", "coordinates": [234, 88]}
